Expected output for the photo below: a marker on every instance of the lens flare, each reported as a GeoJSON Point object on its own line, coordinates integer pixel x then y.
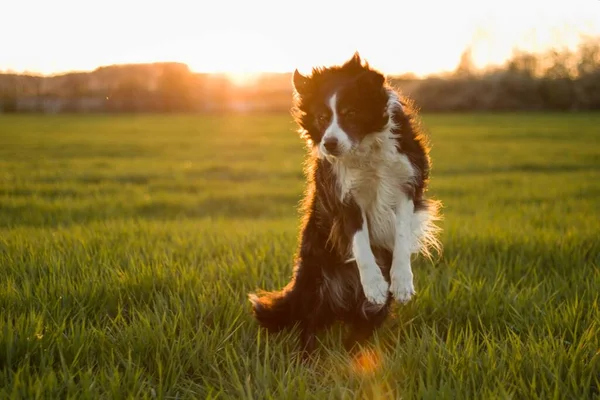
{"type": "Point", "coordinates": [366, 361]}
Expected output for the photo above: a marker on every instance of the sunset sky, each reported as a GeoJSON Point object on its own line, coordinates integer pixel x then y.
{"type": "Point", "coordinates": [248, 36]}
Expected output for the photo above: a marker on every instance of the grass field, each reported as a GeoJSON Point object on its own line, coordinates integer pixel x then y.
{"type": "Point", "coordinates": [128, 245]}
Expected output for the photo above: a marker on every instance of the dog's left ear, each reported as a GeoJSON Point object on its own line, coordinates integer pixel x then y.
{"type": "Point", "coordinates": [354, 62]}
{"type": "Point", "coordinates": [301, 83]}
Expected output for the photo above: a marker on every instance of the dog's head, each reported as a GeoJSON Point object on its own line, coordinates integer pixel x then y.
{"type": "Point", "coordinates": [338, 107]}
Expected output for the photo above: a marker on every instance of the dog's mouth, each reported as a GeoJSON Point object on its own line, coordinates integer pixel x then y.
{"type": "Point", "coordinates": [333, 153]}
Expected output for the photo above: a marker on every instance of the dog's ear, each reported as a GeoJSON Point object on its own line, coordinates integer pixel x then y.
{"type": "Point", "coordinates": [354, 62]}
{"type": "Point", "coordinates": [301, 83]}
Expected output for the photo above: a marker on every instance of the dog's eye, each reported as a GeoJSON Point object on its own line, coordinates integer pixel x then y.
{"type": "Point", "coordinates": [322, 118]}
{"type": "Point", "coordinates": [349, 113]}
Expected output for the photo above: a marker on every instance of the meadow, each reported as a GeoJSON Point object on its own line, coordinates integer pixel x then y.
{"type": "Point", "coordinates": [128, 245]}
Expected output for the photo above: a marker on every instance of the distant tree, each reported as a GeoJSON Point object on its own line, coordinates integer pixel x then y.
{"type": "Point", "coordinates": [466, 67]}
{"type": "Point", "coordinates": [407, 76]}
{"type": "Point", "coordinates": [589, 56]}
{"type": "Point", "coordinates": [37, 93]}
{"type": "Point", "coordinates": [74, 87]}
{"type": "Point", "coordinates": [130, 94]}
{"type": "Point", "coordinates": [174, 88]}
{"type": "Point", "coordinates": [9, 92]}
{"type": "Point", "coordinates": [8, 103]}
{"type": "Point", "coordinates": [523, 63]}
{"type": "Point", "coordinates": [560, 65]}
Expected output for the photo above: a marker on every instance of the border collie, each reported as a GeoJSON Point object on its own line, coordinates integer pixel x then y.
{"type": "Point", "coordinates": [365, 210]}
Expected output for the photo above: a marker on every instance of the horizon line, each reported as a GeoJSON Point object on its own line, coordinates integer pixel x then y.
{"type": "Point", "coordinates": [27, 72]}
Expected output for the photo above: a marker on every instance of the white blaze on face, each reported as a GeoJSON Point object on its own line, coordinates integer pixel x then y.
{"type": "Point", "coordinates": [335, 131]}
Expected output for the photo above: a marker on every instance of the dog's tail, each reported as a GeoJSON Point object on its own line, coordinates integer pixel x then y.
{"type": "Point", "coordinates": [426, 232]}
{"type": "Point", "coordinates": [274, 310]}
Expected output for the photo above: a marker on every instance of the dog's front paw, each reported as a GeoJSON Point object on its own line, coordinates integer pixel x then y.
{"type": "Point", "coordinates": [376, 288]}
{"type": "Point", "coordinates": [402, 287]}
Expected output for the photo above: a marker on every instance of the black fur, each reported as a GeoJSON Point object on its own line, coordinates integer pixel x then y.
{"type": "Point", "coordinates": [324, 286]}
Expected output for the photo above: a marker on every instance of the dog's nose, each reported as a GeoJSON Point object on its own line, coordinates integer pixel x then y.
{"type": "Point", "coordinates": [331, 145]}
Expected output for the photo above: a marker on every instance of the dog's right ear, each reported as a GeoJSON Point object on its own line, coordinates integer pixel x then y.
{"type": "Point", "coordinates": [301, 83]}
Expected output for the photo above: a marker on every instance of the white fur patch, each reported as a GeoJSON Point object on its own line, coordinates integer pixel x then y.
{"type": "Point", "coordinates": [401, 275]}
{"type": "Point", "coordinates": [372, 280]}
{"type": "Point", "coordinates": [374, 176]}
{"type": "Point", "coordinates": [425, 231]}
{"type": "Point", "coordinates": [334, 130]}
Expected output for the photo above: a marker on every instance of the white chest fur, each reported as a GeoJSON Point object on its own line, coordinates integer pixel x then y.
{"type": "Point", "coordinates": [374, 179]}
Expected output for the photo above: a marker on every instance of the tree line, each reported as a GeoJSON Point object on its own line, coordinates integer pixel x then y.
{"type": "Point", "coordinates": [554, 81]}
{"type": "Point", "coordinates": [557, 80]}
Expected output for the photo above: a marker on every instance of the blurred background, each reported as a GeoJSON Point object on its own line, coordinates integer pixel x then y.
{"type": "Point", "coordinates": [190, 56]}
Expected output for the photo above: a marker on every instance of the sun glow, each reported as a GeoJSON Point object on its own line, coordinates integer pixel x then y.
{"type": "Point", "coordinates": [243, 78]}
{"type": "Point", "coordinates": [238, 53]}
{"type": "Point", "coordinates": [241, 55]}
{"type": "Point", "coordinates": [367, 361]}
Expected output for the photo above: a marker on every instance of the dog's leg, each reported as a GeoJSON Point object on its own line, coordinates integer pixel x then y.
{"type": "Point", "coordinates": [373, 283]}
{"type": "Point", "coordinates": [307, 339]}
{"type": "Point", "coordinates": [401, 274]}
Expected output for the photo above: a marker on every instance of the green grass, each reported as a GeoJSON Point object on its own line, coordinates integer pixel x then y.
{"type": "Point", "coordinates": [128, 245]}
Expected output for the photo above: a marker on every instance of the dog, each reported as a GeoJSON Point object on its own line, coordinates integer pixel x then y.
{"type": "Point", "coordinates": [364, 211]}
